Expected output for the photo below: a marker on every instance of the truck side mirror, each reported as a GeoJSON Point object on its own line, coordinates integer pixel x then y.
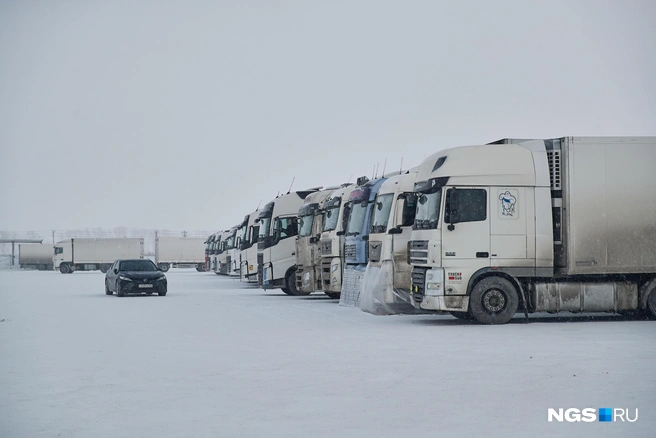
{"type": "Point", "coordinates": [452, 210]}
{"type": "Point", "coordinates": [395, 230]}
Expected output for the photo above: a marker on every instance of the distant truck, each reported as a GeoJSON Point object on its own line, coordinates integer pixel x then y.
{"type": "Point", "coordinates": [35, 256]}
{"type": "Point", "coordinates": [84, 254]}
{"type": "Point", "coordinates": [249, 233]}
{"type": "Point", "coordinates": [180, 252]}
{"type": "Point", "coordinates": [563, 224]}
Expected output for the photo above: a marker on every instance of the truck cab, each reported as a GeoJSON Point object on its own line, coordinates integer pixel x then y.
{"type": "Point", "coordinates": [534, 226]}
{"type": "Point", "coordinates": [208, 249]}
{"type": "Point", "coordinates": [356, 239]}
{"type": "Point", "coordinates": [223, 259]}
{"type": "Point", "coordinates": [335, 221]}
{"type": "Point", "coordinates": [248, 245]}
{"type": "Point", "coordinates": [231, 249]}
{"type": "Point", "coordinates": [386, 284]}
{"type": "Point", "coordinates": [308, 255]}
{"type": "Point", "coordinates": [276, 248]}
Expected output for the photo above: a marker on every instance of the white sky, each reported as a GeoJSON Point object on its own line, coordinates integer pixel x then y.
{"type": "Point", "coordinates": [184, 115]}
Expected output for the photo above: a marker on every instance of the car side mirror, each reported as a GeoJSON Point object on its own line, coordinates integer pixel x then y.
{"type": "Point", "coordinates": [115, 270]}
{"type": "Point", "coordinates": [395, 230]}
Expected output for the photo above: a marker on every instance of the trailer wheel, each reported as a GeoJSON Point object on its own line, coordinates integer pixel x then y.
{"type": "Point", "coordinates": [333, 295]}
{"type": "Point", "coordinates": [164, 267]}
{"type": "Point", "coordinates": [465, 316]}
{"type": "Point", "coordinates": [651, 303]}
{"type": "Point", "coordinates": [493, 300]}
{"type": "Point", "coordinates": [104, 267]}
{"type": "Point", "coordinates": [107, 291]}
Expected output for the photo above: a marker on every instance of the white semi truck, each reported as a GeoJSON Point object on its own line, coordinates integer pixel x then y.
{"type": "Point", "coordinates": [209, 251]}
{"type": "Point", "coordinates": [84, 254]}
{"type": "Point", "coordinates": [276, 248]}
{"type": "Point", "coordinates": [556, 225]}
{"type": "Point", "coordinates": [35, 256]}
{"type": "Point", "coordinates": [308, 254]}
{"type": "Point", "coordinates": [219, 256]}
{"type": "Point", "coordinates": [249, 233]}
{"type": "Point", "coordinates": [385, 287]}
{"type": "Point", "coordinates": [179, 252]}
{"type": "Point", "coordinates": [335, 221]}
{"type": "Point", "coordinates": [226, 257]}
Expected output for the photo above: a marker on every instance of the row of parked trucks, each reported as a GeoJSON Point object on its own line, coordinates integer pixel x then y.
{"type": "Point", "coordinates": [481, 232]}
{"type": "Point", "coordinates": [88, 254]}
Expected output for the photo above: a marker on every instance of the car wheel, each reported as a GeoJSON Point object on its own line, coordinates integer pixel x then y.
{"type": "Point", "coordinates": [494, 300]}
{"type": "Point", "coordinates": [162, 293]}
{"type": "Point", "coordinates": [333, 295]}
{"type": "Point", "coordinates": [465, 316]}
{"type": "Point", "coordinates": [107, 291]}
{"type": "Point", "coordinates": [119, 292]}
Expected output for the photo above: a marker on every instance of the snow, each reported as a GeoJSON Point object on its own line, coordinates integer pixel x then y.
{"type": "Point", "coordinates": [216, 358]}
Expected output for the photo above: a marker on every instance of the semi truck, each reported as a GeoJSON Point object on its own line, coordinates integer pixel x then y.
{"type": "Point", "coordinates": [276, 248]}
{"type": "Point", "coordinates": [556, 225]}
{"type": "Point", "coordinates": [179, 252]}
{"type": "Point", "coordinates": [385, 287]}
{"type": "Point", "coordinates": [248, 247]}
{"type": "Point", "coordinates": [85, 254]}
{"type": "Point", "coordinates": [335, 221]}
{"type": "Point", "coordinates": [308, 254]}
{"type": "Point", "coordinates": [225, 256]}
{"type": "Point", "coordinates": [208, 252]}
{"type": "Point", "coordinates": [35, 256]}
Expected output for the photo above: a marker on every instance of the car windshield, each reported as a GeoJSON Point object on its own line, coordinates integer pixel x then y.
{"type": "Point", "coordinates": [305, 226]}
{"type": "Point", "coordinates": [428, 210]}
{"type": "Point", "coordinates": [138, 266]}
{"type": "Point", "coordinates": [381, 214]}
{"type": "Point", "coordinates": [330, 218]}
{"type": "Point", "coordinates": [265, 222]}
{"type": "Point", "coordinates": [356, 220]}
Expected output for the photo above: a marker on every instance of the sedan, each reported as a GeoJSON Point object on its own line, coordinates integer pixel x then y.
{"type": "Point", "coordinates": [135, 277]}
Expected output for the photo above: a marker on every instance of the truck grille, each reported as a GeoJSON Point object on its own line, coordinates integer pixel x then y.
{"type": "Point", "coordinates": [418, 252]}
{"type": "Point", "coordinates": [418, 282]}
{"type": "Point", "coordinates": [326, 247]}
{"type": "Point", "coordinates": [260, 267]}
{"type": "Point", "coordinates": [349, 251]}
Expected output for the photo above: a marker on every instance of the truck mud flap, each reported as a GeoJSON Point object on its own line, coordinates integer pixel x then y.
{"type": "Point", "coordinates": [351, 286]}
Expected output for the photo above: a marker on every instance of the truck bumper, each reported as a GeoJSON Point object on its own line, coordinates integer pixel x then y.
{"type": "Point", "coordinates": [445, 303]}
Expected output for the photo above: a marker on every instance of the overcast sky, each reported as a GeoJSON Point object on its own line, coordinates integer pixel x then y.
{"type": "Point", "coordinates": [184, 115]}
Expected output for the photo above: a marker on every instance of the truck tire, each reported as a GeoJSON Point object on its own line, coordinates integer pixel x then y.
{"type": "Point", "coordinates": [200, 267]}
{"type": "Point", "coordinates": [651, 303]}
{"type": "Point", "coordinates": [64, 268]}
{"type": "Point", "coordinates": [164, 267]}
{"type": "Point", "coordinates": [290, 282]}
{"type": "Point", "coordinates": [104, 267]}
{"type": "Point", "coordinates": [107, 291]}
{"type": "Point", "coordinates": [493, 300]}
{"type": "Point", "coordinates": [333, 295]}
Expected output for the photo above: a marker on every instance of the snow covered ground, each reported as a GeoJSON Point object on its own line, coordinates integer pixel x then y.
{"type": "Point", "coordinates": [215, 358]}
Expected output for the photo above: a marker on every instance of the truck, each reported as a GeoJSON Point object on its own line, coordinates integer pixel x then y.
{"type": "Point", "coordinates": [276, 248]}
{"type": "Point", "coordinates": [87, 254]}
{"type": "Point", "coordinates": [356, 240]}
{"type": "Point", "coordinates": [385, 286]}
{"type": "Point", "coordinates": [219, 255]}
{"type": "Point", "coordinates": [248, 246]}
{"type": "Point", "coordinates": [179, 252]}
{"type": "Point", "coordinates": [208, 251]}
{"type": "Point", "coordinates": [226, 255]}
{"type": "Point", "coordinates": [35, 256]}
{"type": "Point", "coordinates": [308, 255]}
{"type": "Point", "coordinates": [556, 225]}
{"type": "Point", "coordinates": [335, 221]}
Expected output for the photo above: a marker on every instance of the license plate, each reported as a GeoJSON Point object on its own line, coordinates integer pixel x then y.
{"type": "Point", "coordinates": [145, 285]}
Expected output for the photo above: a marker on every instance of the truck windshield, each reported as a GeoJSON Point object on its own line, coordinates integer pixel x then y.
{"type": "Point", "coordinates": [305, 228]}
{"type": "Point", "coordinates": [428, 210]}
{"type": "Point", "coordinates": [356, 220]}
{"type": "Point", "coordinates": [330, 219]}
{"type": "Point", "coordinates": [265, 222]}
{"type": "Point", "coordinates": [243, 233]}
{"type": "Point", "coordinates": [381, 215]}
{"type": "Point", "coordinates": [230, 242]}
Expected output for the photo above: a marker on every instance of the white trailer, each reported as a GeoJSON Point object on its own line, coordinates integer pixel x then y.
{"type": "Point", "coordinates": [565, 224]}
{"type": "Point", "coordinates": [84, 254]}
{"type": "Point", "coordinates": [180, 252]}
{"type": "Point", "coordinates": [36, 256]}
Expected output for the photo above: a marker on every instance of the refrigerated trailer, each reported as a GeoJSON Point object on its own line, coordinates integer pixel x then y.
{"type": "Point", "coordinates": [84, 254]}
{"type": "Point", "coordinates": [180, 252]}
{"type": "Point", "coordinates": [35, 256]}
{"type": "Point", "coordinates": [565, 224]}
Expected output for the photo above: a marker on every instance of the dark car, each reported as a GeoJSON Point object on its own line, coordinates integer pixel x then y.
{"type": "Point", "coordinates": [135, 277]}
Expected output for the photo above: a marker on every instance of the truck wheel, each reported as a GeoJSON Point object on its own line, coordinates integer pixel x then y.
{"type": "Point", "coordinates": [465, 316]}
{"type": "Point", "coordinates": [651, 303]}
{"type": "Point", "coordinates": [164, 267]}
{"type": "Point", "coordinates": [64, 269]}
{"type": "Point", "coordinates": [494, 300]}
{"type": "Point", "coordinates": [290, 282]}
{"type": "Point", "coordinates": [200, 267]}
{"type": "Point", "coordinates": [333, 295]}
{"type": "Point", "coordinates": [104, 268]}
{"type": "Point", "coordinates": [107, 291]}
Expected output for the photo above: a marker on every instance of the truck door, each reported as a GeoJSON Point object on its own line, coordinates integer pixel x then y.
{"type": "Point", "coordinates": [465, 236]}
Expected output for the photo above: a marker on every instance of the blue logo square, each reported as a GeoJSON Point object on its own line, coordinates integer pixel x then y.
{"type": "Point", "coordinates": [605, 414]}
